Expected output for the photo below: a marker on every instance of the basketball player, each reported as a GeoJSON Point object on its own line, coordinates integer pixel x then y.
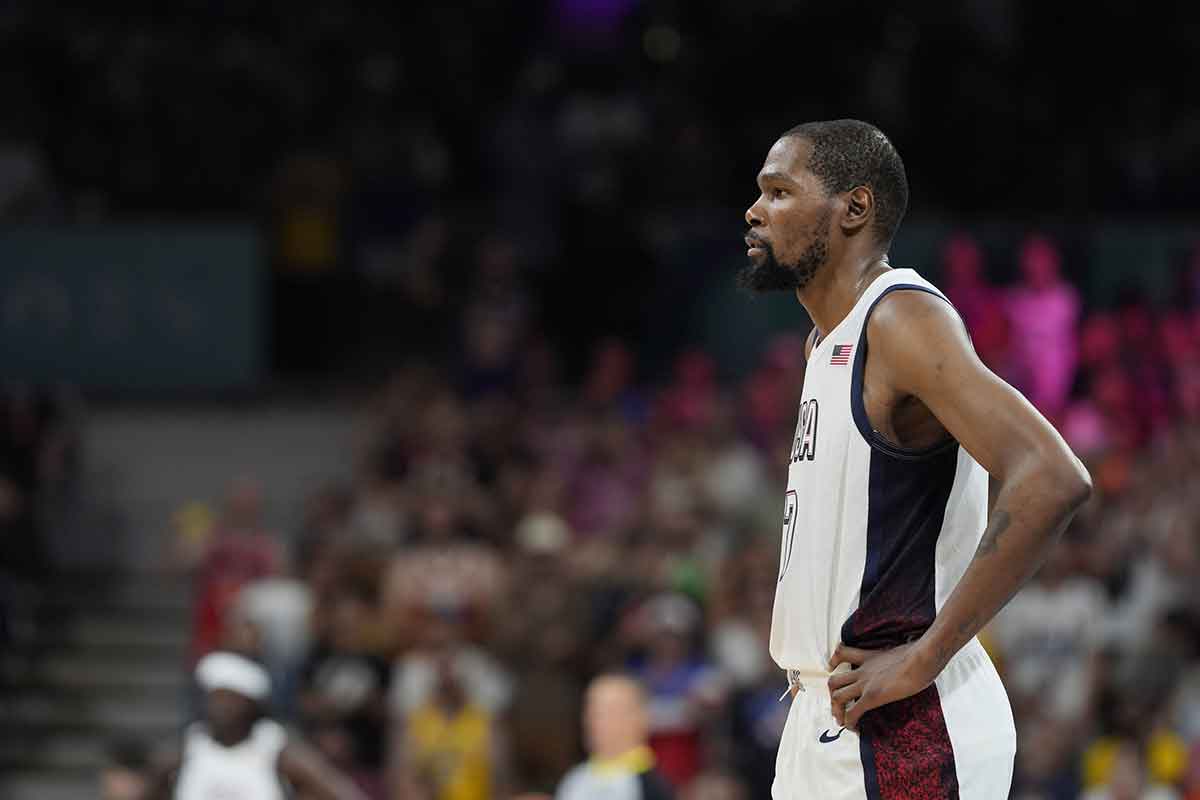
{"type": "Point", "coordinates": [891, 562]}
{"type": "Point", "coordinates": [236, 753]}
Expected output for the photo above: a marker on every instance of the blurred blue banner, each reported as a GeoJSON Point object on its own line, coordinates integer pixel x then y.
{"type": "Point", "coordinates": [139, 308]}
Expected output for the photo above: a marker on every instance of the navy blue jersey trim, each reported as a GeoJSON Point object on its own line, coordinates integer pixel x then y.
{"type": "Point", "coordinates": [906, 508]}
{"type": "Point", "coordinates": [859, 410]}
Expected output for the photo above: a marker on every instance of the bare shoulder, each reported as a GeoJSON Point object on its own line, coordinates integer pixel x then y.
{"type": "Point", "coordinates": [919, 340]}
{"type": "Point", "coordinates": [920, 347]}
{"type": "Point", "coordinates": [907, 312]}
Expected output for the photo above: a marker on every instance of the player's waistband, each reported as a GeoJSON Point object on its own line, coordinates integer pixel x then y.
{"type": "Point", "coordinates": [806, 679]}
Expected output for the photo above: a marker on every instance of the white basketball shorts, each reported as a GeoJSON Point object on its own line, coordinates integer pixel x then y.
{"type": "Point", "coordinates": [955, 739]}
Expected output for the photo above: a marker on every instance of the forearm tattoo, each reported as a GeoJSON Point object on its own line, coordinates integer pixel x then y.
{"type": "Point", "coordinates": [998, 524]}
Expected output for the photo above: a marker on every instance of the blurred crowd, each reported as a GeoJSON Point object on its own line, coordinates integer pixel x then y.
{"type": "Point", "coordinates": [509, 535]}
{"type": "Point", "coordinates": [370, 143]}
{"type": "Point", "coordinates": [193, 107]}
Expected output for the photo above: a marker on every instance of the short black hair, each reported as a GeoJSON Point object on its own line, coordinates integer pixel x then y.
{"type": "Point", "coordinates": [847, 153]}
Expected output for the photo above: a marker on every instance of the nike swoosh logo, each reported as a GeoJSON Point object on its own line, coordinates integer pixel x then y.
{"type": "Point", "coordinates": [825, 738]}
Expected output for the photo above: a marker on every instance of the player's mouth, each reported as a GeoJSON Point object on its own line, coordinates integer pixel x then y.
{"type": "Point", "coordinates": [754, 246]}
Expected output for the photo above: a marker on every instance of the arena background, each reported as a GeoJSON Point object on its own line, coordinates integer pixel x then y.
{"type": "Point", "coordinates": [353, 337]}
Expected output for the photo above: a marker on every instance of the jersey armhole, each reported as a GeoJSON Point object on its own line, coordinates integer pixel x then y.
{"type": "Point", "coordinates": [858, 409]}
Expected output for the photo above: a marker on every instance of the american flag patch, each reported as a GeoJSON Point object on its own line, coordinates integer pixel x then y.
{"type": "Point", "coordinates": [841, 354]}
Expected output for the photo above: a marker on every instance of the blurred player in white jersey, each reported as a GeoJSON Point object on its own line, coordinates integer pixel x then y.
{"type": "Point", "coordinates": [236, 753]}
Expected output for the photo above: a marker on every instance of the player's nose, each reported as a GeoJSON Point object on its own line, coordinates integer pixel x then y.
{"type": "Point", "coordinates": [753, 215]}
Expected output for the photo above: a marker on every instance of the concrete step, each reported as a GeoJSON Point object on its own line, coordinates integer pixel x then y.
{"type": "Point", "coordinates": [132, 592]}
{"type": "Point", "coordinates": [84, 672]}
{"type": "Point", "coordinates": [100, 715]}
{"type": "Point", "coordinates": [108, 660]}
{"type": "Point", "coordinates": [50, 785]}
{"type": "Point", "coordinates": [84, 697]}
{"type": "Point", "coordinates": [42, 746]}
{"type": "Point", "coordinates": [69, 751]}
{"type": "Point", "coordinates": [97, 632]}
{"type": "Point", "coordinates": [127, 644]}
{"type": "Point", "coordinates": [139, 449]}
{"type": "Point", "coordinates": [63, 612]}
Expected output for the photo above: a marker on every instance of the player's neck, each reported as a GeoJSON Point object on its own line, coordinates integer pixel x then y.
{"type": "Point", "coordinates": [835, 289]}
{"type": "Point", "coordinates": [231, 737]}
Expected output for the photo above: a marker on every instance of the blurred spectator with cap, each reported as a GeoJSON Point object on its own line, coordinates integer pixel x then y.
{"type": "Point", "coordinates": [616, 728]}
{"type": "Point", "coordinates": [547, 644]}
{"type": "Point", "coordinates": [683, 689]}
{"type": "Point", "coordinates": [236, 751]}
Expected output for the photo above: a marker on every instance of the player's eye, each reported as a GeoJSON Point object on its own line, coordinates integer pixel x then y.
{"type": "Point", "coordinates": [779, 194]}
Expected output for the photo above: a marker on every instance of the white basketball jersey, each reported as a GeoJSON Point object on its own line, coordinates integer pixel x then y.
{"type": "Point", "coordinates": [246, 771]}
{"type": "Point", "coordinates": [874, 536]}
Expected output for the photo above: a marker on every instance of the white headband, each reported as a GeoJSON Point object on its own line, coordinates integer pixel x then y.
{"type": "Point", "coordinates": [235, 673]}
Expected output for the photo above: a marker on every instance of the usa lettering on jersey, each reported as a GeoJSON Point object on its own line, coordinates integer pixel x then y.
{"type": "Point", "coordinates": [805, 445]}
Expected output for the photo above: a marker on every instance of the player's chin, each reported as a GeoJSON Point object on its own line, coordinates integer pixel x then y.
{"type": "Point", "coordinates": [747, 277]}
{"type": "Point", "coordinates": [758, 277]}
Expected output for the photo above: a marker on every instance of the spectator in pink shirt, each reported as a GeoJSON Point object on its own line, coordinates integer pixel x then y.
{"type": "Point", "coordinates": [976, 300]}
{"type": "Point", "coordinates": [1044, 312]}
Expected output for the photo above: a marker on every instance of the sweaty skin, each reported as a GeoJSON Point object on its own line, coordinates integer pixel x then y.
{"type": "Point", "coordinates": [923, 383]}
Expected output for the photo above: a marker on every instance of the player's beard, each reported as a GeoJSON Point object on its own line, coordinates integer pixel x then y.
{"type": "Point", "coordinates": [771, 275]}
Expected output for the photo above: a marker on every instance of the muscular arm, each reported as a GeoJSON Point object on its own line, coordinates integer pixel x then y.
{"type": "Point", "coordinates": [923, 350]}
{"type": "Point", "coordinates": [305, 769]}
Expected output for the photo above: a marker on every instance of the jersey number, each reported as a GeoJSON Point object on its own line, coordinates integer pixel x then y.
{"type": "Point", "coordinates": [789, 532]}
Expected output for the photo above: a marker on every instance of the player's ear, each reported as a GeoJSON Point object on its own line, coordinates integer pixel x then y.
{"type": "Point", "coordinates": [860, 202]}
